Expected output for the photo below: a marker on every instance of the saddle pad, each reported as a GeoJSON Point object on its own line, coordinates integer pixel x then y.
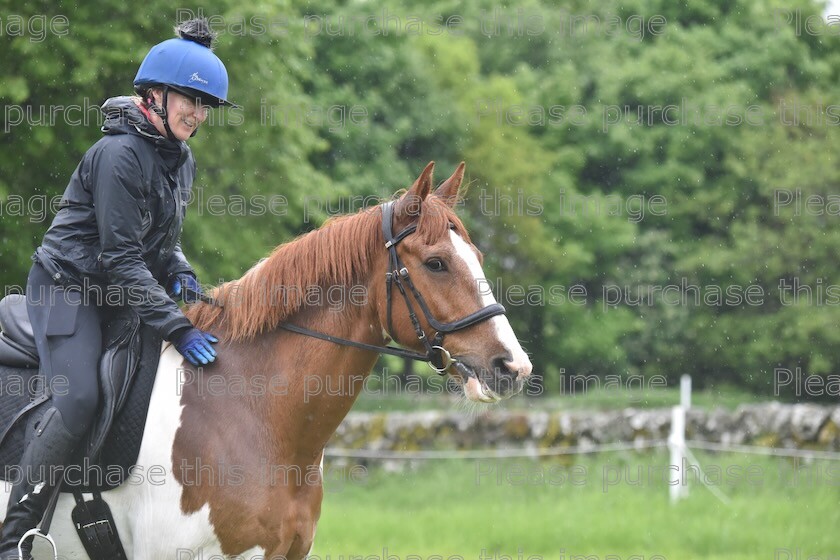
{"type": "Point", "coordinates": [17, 391]}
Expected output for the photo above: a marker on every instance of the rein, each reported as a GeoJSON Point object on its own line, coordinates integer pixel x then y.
{"type": "Point", "coordinates": [437, 357]}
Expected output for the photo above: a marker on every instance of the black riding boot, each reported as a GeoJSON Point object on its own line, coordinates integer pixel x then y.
{"type": "Point", "coordinates": [41, 469]}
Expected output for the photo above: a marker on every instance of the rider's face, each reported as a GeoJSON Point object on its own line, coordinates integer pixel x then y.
{"type": "Point", "coordinates": [184, 114]}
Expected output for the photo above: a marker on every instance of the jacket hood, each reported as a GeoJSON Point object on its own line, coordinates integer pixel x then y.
{"type": "Point", "coordinates": [123, 116]}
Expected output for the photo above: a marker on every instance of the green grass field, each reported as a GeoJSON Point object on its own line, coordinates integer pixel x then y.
{"type": "Point", "coordinates": [613, 506]}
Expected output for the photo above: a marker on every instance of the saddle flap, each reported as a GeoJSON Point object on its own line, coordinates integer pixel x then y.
{"type": "Point", "coordinates": [117, 367]}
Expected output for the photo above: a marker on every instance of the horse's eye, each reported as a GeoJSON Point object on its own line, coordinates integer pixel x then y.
{"type": "Point", "coordinates": [435, 265]}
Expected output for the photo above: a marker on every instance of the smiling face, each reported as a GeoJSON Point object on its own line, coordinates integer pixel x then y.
{"type": "Point", "coordinates": [184, 114]}
{"type": "Point", "coordinates": [446, 269]}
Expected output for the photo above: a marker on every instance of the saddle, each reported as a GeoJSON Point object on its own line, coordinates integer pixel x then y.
{"type": "Point", "coordinates": [17, 343]}
{"type": "Point", "coordinates": [127, 371]}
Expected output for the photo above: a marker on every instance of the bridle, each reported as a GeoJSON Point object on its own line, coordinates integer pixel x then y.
{"type": "Point", "coordinates": [438, 357]}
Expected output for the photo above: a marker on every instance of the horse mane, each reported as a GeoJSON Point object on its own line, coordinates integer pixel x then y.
{"type": "Point", "coordinates": [337, 254]}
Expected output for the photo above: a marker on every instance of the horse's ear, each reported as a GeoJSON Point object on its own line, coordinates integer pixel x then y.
{"type": "Point", "coordinates": [448, 191]}
{"type": "Point", "coordinates": [409, 203]}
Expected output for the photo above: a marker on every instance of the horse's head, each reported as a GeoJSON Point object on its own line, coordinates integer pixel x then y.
{"type": "Point", "coordinates": [446, 287]}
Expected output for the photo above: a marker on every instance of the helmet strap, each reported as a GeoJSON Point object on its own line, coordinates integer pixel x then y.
{"type": "Point", "coordinates": [161, 112]}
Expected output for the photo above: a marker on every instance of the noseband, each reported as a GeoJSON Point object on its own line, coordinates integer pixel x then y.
{"type": "Point", "coordinates": [438, 358]}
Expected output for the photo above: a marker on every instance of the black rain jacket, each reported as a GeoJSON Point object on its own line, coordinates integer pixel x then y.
{"type": "Point", "coordinates": [119, 222]}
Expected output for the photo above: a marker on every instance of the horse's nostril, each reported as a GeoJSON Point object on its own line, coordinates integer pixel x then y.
{"type": "Point", "coordinates": [499, 365]}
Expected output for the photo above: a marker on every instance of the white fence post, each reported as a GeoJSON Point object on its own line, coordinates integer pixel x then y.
{"type": "Point", "coordinates": [676, 441]}
{"type": "Point", "coordinates": [685, 391]}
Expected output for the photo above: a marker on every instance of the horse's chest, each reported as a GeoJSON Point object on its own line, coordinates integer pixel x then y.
{"type": "Point", "coordinates": [160, 514]}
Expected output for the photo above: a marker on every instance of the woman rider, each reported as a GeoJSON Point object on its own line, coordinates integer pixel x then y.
{"type": "Point", "coordinates": [118, 227]}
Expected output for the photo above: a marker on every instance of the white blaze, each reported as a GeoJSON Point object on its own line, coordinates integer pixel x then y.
{"type": "Point", "coordinates": [520, 362]}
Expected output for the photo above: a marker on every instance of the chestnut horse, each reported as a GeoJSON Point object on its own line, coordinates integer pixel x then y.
{"type": "Point", "coordinates": [231, 457]}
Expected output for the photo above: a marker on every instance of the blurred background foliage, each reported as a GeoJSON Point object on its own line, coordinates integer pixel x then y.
{"type": "Point", "coordinates": [452, 96]}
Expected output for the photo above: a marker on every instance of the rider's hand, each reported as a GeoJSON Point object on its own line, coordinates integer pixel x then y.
{"type": "Point", "coordinates": [194, 345]}
{"type": "Point", "coordinates": [184, 286]}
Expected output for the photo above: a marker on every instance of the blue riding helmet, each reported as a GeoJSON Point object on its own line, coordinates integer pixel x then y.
{"type": "Point", "coordinates": [188, 68]}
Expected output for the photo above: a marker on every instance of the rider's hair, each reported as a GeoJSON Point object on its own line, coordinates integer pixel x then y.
{"type": "Point", "coordinates": [198, 31]}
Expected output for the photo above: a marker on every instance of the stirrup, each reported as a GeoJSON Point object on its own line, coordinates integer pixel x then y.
{"type": "Point", "coordinates": [36, 532]}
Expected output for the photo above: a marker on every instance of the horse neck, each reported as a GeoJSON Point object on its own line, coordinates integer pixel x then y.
{"type": "Point", "coordinates": [297, 389]}
{"type": "Point", "coordinates": [319, 381]}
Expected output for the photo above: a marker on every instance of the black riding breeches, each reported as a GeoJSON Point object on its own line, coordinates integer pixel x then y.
{"type": "Point", "coordinates": [68, 335]}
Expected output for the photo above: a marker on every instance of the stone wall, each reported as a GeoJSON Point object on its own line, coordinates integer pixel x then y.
{"type": "Point", "coordinates": [800, 426]}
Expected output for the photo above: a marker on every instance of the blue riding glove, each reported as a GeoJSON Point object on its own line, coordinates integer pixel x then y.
{"type": "Point", "coordinates": [194, 345]}
{"type": "Point", "coordinates": [184, 286]}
